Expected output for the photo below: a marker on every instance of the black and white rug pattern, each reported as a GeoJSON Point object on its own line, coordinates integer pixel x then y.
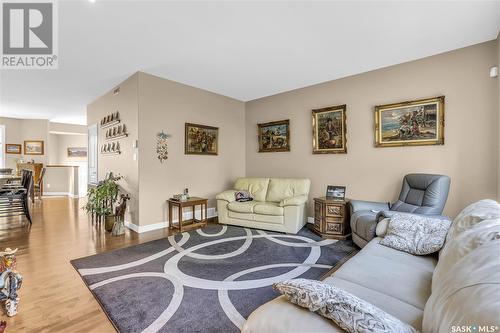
{"type": "Point", "coordinates": [205, 280]}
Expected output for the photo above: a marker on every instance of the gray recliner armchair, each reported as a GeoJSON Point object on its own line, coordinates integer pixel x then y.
{"type": "Point", "coordinates": [421, 194]}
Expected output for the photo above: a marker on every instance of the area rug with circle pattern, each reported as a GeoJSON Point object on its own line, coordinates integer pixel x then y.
{"type": "Point", "coordinates": [205, 280]}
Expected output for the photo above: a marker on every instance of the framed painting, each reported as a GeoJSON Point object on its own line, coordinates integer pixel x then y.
{"type": "Point", "coordinates": [77, 152]}
{"type": "Point", "coordinates": [33, 147]}
{"type": "Point", "coordinates": [335, 192]}
{"type": "Point", "coordinates": [12, 148]}
{"type": "Point", "coordinates": [329, 130]}
{"type": "Point", "coordinates": [412, 123]}
{"type": "Point", "coordinates": [274, 136]}
{"type": "Point", "coordinates": [201, 139]}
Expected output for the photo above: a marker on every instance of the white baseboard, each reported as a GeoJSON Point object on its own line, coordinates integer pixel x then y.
{"type": "Point", "coordinates": [310, 219]}
{"type": "Point", "coordinates": [60, 194]}
{"type": "Point", "coordinates": [185, 216]}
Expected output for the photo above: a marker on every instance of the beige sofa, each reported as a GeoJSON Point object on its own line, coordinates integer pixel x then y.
{"type": "Point", "coordinates": [279, 204]}
{"type": "Point", "coordinates": [461, 289]}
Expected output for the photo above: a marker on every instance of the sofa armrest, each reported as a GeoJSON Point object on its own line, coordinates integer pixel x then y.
{"type": "Point", "coordinates": [357, 205]}
{"type": "Point", "coordinates": [390, 213]}
{"type": "Point", "coordinates": [294, 201]}
{"type": "Point", "coordinates": [228, 196]}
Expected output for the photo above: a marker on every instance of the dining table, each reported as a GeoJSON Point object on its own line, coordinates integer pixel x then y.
{"type": "Point", "coordinates": [4, 179]}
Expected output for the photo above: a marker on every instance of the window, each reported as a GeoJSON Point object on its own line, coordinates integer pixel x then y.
{"type": "Point", "coordinates": [2, 148]}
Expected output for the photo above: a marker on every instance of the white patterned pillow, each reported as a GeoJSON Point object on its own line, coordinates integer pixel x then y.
{"type": "Point", "coordinates": [351, 313]}
{"type": "Point", "coordinates": [416, 234]}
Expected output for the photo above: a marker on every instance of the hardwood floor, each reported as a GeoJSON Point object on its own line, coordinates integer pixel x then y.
{"type": "Point", "coordinates": [53, 296]}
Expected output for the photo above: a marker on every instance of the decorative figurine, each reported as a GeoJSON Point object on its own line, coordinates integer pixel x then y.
{"type": "Point", "coordinates": [119, 227]}
{"type": "Point", "coordinates": [10, 281]}
{"type": "Point", "coordinates": [162, 146]}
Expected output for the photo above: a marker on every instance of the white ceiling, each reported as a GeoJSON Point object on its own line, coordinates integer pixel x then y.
{"type": "Point", "coordinates": [244, 50]}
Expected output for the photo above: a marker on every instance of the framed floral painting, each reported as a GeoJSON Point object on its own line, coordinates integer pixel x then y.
{"type": "Point", "coordinates": [329, 130]}
{"type": "Point", "coordinates": [411, 123]}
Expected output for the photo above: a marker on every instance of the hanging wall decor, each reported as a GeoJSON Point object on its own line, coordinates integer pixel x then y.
{"type": "Point", "coordinates": [162, 146]}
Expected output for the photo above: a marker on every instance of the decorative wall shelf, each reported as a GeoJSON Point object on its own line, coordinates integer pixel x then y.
{"type": "Point", "coordinates": [111, 123]}
{"type": "Point", "coordinates": [111, 138]}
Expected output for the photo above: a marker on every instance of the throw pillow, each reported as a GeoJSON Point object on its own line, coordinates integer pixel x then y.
{"type": "Point", "coordinates": [416, 234]}
{"type": "Point", "coordinates": [344, 309]}
{"type": "Point", "coordinates": [243, 196]}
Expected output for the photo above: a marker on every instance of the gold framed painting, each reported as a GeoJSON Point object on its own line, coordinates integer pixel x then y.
{"type": "Point", "coordinates": [12, 148]}
{"type": "Point", "coordinates": [411, 123]}
{"type": "Point", "coordinates": [33, 147]}
{"type": "Point", "coordinates": [329, 130]}
{"type": "Point", "coordinates": [274, 136]}
{"type": "Point", "coordinates": [201, 139]}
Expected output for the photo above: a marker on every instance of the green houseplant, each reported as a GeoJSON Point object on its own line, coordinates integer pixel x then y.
{"type": "Point", "coordinates": [101, 200]}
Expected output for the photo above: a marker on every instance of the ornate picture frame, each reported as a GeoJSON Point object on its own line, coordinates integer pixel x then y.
{"type": "Point", "coordinates": [274, 136]}
{"type": "Point", "coordinates": [410, 123]}
{"type": "Point", "coordinates": [201, 139]}
{"type": "Point", "coordinates": [330, 130]}
{"type": "Point", "coordinates": [33, 147]}
{"type": "Point", "coordinates": [13, 148]}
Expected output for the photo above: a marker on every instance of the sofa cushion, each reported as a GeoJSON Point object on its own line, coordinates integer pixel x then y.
{"type": "Point", "coordinates": [351, 313]}
{"type": "Point", "coordinates": [392, 305]}
{"type": "Point", "coordinates": [268, 208]}
{"type": "Point", "coordinates": [281, 316]}
{"type": "Point", "coordinates": [375, 265]}
{"type": "Point", "coordinates": [472, 214]}
{"type": "Point", "coordinates": [469, 230]}
{"type": "Point", "coordinates": [469, 294]}
{"type": "Point", "coordinates": [281, 188]}
{"type": "Point", "coordinates": [257, 187]}
{"type": "Point", "coordinates": [242, 207]}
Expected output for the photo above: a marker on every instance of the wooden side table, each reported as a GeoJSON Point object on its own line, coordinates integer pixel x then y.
{"type": "Point", "coordinates": [331, 218]}
{"type": "Point", "coordinates": [191, 223]}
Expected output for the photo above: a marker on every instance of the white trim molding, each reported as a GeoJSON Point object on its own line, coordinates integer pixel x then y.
{"type": "Point", "coordinates": [211, 212]}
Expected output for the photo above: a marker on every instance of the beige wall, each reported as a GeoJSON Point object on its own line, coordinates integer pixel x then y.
{"type": "Point", "coordinates": [167, 105]}
{"type": "Point", "coordinates": [58, 148]}
{"type": "Point", "coordinates": [61, 180]}
{"type": "Point", "coordinates": [469, 155]}
{"type": "Point", "coordinates": [126, 103]}
{"type": "Point", "coordinates": [19, 130]}
{"type": "Point", "coordinates": [61, 128]}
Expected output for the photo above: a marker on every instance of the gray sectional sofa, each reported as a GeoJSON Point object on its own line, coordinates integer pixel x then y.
{"type": "Point", "coordinates": [462, 288]}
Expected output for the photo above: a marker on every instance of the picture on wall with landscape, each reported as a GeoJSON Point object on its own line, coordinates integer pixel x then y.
{"type": "Point", "coordinates": [12, 148]}
{"type": "Point", "coordinates": [33, 147]}
{"type": "Point", "coordinates": [410, 123]}
{"type": "Point", "coordinates": [77, 152]}
{"type": "Point", "coordinates": [274, 136]}
{"type": "Point", "coordinates": [201, 139]}
{"type": "Point", "coordinates": [329, 130]}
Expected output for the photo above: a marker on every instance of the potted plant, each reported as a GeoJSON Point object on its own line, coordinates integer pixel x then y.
{"type": "Point", "coordinates": [101, 200]}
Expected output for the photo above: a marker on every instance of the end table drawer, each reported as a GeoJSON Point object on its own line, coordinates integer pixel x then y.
{"type": "Point", "coordinates": [334, 228]}
{"type": "Point", "coordinates": [333, 210]}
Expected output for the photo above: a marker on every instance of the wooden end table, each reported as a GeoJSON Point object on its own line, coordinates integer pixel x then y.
{"type": "Point", "coordinates": [192, 223]}
{"type": "Point", "coordinates": [331, 218]}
